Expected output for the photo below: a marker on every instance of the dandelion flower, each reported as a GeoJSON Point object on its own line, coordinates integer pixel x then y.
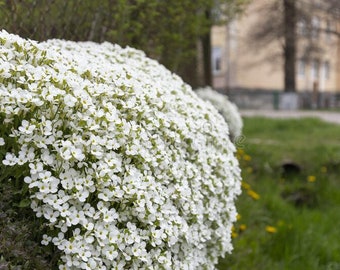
{"type": "Point", "coordinates": [247, 158]}
{"type": "Point", "coordinates": [245, 185]}
{"type": "Point", "coordinates": [253, 194]}
{"type": "Point", "coordinates": [271, 229]}
{"type": "Point", "coordinates": [311, 178]}
{"type": "Point", "coordinates": [243, 227]}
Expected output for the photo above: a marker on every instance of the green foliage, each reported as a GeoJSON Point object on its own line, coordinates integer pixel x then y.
{"type": "Point", "coordinates": [165, 30]}
{"type": "Point", "coordinates": [20, 234]}
{"type": "Point", "coordinates": [300, 235]}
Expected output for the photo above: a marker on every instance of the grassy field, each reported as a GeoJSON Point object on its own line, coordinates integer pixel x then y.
{"type": "Point", "coordinates": [290, 206]}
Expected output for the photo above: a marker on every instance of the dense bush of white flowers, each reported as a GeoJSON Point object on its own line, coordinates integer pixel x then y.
{"type": "Point", "coordinates": [225, 107]}
{"type": "Point", "coordinates": [129, 168]}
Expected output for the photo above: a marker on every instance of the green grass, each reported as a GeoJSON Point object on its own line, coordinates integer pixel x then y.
{"type": "Point", "coordinates": [305, 214]}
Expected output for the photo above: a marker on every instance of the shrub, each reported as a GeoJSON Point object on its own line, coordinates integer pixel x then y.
{"type": "Point", "coordinates": [126, 165]}
{"type": "Point", "coordinates": [225, 107]}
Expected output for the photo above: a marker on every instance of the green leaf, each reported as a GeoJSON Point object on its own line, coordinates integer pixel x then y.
{"type": "Point", "coordinates": [24, 203]}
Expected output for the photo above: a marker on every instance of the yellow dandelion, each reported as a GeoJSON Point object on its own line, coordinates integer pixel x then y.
{"type": "Point", "coordinates": [253, 194]}
{"type": "Point", "coordinates": [311, 178]}
{"type": "Point", "coordinates": [243, 227]}
{"type": "Point", "coordinates": [280, 223]}
{"type": "Point", "coordinates": [233, 232]}
{"type": "Point", "coordinates": [240, 151]}
{"type": "Point", "coordinates": [238, 217]}
{"type": "Point", "coordinates": [247, 158]}
{"type": "Point", "coordinates": [249, 170]}
{"type": "Point", "coordinates": [271, 229]}
{"type": "Point", "coordinates": [324, 169]}
{"type": "Point", "coordinates": [245, 185]}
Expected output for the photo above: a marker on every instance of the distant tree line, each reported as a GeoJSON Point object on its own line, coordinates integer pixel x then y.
{"type": "Point", "coordinates": [176, 33]}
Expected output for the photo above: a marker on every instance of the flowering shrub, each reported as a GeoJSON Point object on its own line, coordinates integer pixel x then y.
{"type": "Point", "coordinates": [129, 168]}
{"type": "Point", "coordinates": [225, 107]}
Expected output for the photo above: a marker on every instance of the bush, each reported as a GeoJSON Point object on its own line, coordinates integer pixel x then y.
{"type": "Point", "coordinates": [128, 168]}
{"type": "Point", "coordinates": [225, 107]}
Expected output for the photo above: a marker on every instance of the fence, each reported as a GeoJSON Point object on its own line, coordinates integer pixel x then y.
{"type": "Point", "coordinates": [279, 100]}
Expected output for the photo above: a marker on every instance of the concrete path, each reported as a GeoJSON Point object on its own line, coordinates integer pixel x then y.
{"type": "Point", "coordinates": [332, 117]}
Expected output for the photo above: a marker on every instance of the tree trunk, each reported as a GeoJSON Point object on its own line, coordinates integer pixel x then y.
{"type": "Point", "coordinates": [188, 72]}
{"type": "Point", "coordinates": [290, 45]}
{"type": "Point", "coordinates": [206, 45]}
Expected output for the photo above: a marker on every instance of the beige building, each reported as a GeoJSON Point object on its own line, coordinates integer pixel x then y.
{"type": "Point", "coordinates": [238, 63]}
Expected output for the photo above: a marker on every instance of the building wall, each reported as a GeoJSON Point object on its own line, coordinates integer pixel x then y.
{"type": "Point", "coordinates": [243, 65]}
{"type": "Point", "coordinates": [257, 67]}
{"type": "Point", "coordinates": [338, 65]}
{"type": "Point", "coordinates": [219, 55]}
{"type": "Point", "coordinates": [326, 59]}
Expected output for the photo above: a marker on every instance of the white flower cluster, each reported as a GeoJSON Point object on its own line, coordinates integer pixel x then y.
{"type": "Point", "coordinates": [225, 107]}
{"type": "Point", "coordinates": [127, 165]}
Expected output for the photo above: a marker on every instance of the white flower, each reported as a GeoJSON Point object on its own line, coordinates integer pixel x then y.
{"type": "Point", "coordinates": [10, 159]}
{"type": "Point", "coordinates": [77, 154]}
{"type": "Point", "coordinates": [36, 167]}
{"type": "Point", "coordinates": [70, 100]}
{"type": "Point", "coordinates": [46, 240]}
{"type": "Point", "coordinates": [225, 107]}
{"type": "Point", "coordinates": [127, 166]}
{"type": "Point", "coordinates": [110, 253]}
{"type": "Point", "coordinates": [50, 214]}
{"type": "Point", "coordinates": [46, 157]}
{"type": "Point", "coordinates": [26, 127]}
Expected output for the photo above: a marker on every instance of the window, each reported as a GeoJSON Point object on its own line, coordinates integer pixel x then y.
{"type": "Point", "coordinates": [315, 27]}
{"type": "Point", "coordinates": [326, 69]}
{"type": "Point", "coordinates": [315, 69]}
{"type": "Point", "coordinates": [216, 60]}
{"type": "Point", "coordinates": [302, 28]}
{"type": "Point", "coordinates": [302, 67]}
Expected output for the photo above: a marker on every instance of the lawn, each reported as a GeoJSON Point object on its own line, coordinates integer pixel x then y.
{"type": "Point", "coordinates": [289, 212]}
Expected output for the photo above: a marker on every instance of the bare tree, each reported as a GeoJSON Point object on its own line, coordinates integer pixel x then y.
{"type": "Point", "coordinates": [289, 47]}
{"type": "Point", "coordinates": [290, 21]}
